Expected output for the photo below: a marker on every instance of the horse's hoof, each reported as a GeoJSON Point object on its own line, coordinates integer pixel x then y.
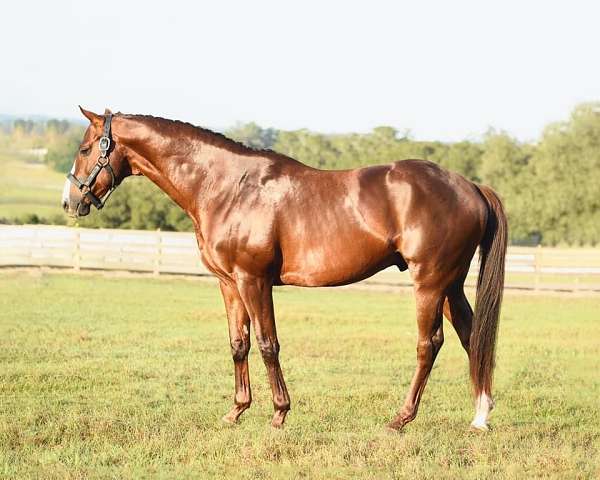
{"type": "Point", "coordinates": [279, 419]}
{"type": "Point", "coordinates": [480, 427]}
{"type": "Point", "coordinates": [227, 420]}
{"type": "Point", "coordinates": [277, 423]}
{"type": "Point", "coordinates": [397, 424]}
{"type": "Point", "coordinates": [394, 430]}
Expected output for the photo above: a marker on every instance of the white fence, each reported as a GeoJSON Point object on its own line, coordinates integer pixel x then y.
{"type": "Point", "coordinates": [170, 252]}
{"type": "Point", "coordinates": [82, 248]}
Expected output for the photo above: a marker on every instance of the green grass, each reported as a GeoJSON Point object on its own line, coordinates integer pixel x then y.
{"type": "Point", "coordinates": [128, 378]}
{"type": "Point", "coordinates": [28, 188]}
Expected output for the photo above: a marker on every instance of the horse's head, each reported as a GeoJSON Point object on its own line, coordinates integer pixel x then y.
{"type": "Point", "coordinates": [100, 165]}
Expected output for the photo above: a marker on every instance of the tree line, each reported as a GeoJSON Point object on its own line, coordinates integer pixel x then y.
{"type": "Point", "coordinates": [551, 187]}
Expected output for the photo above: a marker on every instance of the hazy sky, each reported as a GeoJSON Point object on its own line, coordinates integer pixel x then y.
{"type": "Point", "coordinates": [445, 70]}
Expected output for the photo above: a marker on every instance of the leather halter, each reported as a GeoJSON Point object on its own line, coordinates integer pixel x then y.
{"type": "Point", "coordinates": [103, 162]}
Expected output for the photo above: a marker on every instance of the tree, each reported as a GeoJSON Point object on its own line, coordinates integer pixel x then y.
{"type": "Point", "coordinates": [464, 158]}
{"type": "Point", "coordinates": [251, 135]}
{"type": "Point", "coordinates": [505, 167]}
{"type": "Point", "coordinates": [551, 189]}
{"type": "Point", "coordinates": [62, 151]}
{"type": "Point", "coordinates": [567, 165]}
{"type": "Point", "coordinates": [139, 204]}
{"type": "Point", "coordinates": [310, 148]}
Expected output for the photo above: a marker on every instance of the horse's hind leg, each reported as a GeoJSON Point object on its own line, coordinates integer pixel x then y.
{"type": "Point", "coordinates": [459, 313]}
{"type": "Point", "coordinates": [430, 340]}
{"type": "Point", "coordinates": [239, 337]}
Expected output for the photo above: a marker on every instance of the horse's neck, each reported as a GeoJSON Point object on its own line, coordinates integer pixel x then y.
{"type": "Point", "coordinates": [182, 168]}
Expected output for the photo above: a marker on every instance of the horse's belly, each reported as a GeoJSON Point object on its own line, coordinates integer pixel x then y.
{"type": "Point", "coordinates": [329, 267]}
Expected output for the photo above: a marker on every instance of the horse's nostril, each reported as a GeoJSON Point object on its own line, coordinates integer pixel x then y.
{"type": "Point", "coordinates": [65, 206]}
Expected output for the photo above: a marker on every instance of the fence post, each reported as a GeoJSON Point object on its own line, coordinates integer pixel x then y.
{"type": "Point", "coordinates": [538, 267]}
{"type": "Point", "coordinates": [39, 244]}
{"type": "Point", "coordinates": [77, 253]}
{"type": "Point", "coordinates": [33, 246]}
{"type": "Point", "coordinates": [158, 253]}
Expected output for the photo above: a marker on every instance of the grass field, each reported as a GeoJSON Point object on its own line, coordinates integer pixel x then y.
{"type": "Point", "coordinates": [128, 378]}
{"type": "Point", "coordinates": [28, 188]}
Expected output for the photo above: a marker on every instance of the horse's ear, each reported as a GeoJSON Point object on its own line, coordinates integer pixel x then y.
{"type": "Point", "coordinates": [91, 116]}
{"type": "Point", "coordinates": [107, 111]}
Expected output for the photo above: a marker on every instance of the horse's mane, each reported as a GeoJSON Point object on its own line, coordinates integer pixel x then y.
{"type": "Point", "coordinates": [177, 127]}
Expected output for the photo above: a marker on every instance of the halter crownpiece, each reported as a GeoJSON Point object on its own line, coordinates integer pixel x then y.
{"type": "Point", "coordinates": [104, 143]}
{"type": "Point", "coordinates": [103, 161]}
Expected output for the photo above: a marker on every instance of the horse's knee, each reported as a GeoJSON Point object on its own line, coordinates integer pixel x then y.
{"type": "Point", "coordinates": [269, 349]}
{"type": "Point", "coordinates": [239, 349]}
{"type": "Point", "coordinates": [437, 340]}
{"type": "Point", "coordinates": [429, 347]}
{"type": "Point", "coordinates": [425, 350]}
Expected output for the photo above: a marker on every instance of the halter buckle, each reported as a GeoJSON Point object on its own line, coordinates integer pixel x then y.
{"type": "Point", "coordinates": [104, 145]}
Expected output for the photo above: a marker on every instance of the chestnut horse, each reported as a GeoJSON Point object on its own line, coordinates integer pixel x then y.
{"type": "Point", "coordinates": [264, 219]}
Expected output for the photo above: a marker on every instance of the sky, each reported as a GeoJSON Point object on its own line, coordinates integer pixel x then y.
{"type": "Point", "coordinates": [446, 70]}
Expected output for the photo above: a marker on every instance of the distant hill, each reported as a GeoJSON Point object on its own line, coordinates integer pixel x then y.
{"type": "Point", "coordinates": [8, 117]}
{"type": "Point", "coordinates": [29, 188]}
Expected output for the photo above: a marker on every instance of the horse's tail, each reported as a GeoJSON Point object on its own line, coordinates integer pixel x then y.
{"type": "Point", "coordinates": [490, 285]}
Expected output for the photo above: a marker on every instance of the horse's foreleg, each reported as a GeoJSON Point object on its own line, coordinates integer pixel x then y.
{"type": "Point", "coordinates": [430, 340]}
{"type": "Point", "coordinates": [257, 296]}
{"type": "Point", "coordinates": [239, 338]}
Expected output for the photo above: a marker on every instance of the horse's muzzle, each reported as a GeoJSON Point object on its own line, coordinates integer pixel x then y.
{"type": "Point", "coordinates": [76, 209]}
{"type": "Point", "coordinates": [83, 209]}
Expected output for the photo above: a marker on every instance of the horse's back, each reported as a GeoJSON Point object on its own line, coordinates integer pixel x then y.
{"type": "Point", "coordinates": [340, 226]}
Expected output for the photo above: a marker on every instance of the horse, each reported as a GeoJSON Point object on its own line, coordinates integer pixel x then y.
{"type": "Point", "coordinates": [263, 219]}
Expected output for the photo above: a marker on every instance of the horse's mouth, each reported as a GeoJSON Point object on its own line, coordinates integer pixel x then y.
{"type": "Point", "coordinates": [81, 210]}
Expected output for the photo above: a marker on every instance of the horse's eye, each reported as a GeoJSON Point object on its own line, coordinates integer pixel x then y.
{"type": "Point", "coordinates": [84, 150]}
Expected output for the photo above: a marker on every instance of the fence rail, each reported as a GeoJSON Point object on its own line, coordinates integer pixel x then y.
{"type": "Point", "coordinates": [173, 252]}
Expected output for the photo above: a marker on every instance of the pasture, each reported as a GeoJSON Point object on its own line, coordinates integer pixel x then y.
{"type": "Point", "coordinates": [28, 187]}
{"type": "Point", "coordinates": [127, 377]}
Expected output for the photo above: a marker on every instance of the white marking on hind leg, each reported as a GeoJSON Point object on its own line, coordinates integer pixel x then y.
{"type": "Point", "coordinates": [483, 407]}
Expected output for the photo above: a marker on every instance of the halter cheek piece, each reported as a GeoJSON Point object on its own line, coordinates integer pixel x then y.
{"type": "Point", "coordinates": [103, 162]}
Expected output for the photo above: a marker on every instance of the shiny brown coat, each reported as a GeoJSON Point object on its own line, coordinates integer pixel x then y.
{"type": "Point", "coordinates": [264, 219]}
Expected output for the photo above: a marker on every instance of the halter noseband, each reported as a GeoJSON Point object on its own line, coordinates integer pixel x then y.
{"type": "Point", "coordinates": [103, 162]}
